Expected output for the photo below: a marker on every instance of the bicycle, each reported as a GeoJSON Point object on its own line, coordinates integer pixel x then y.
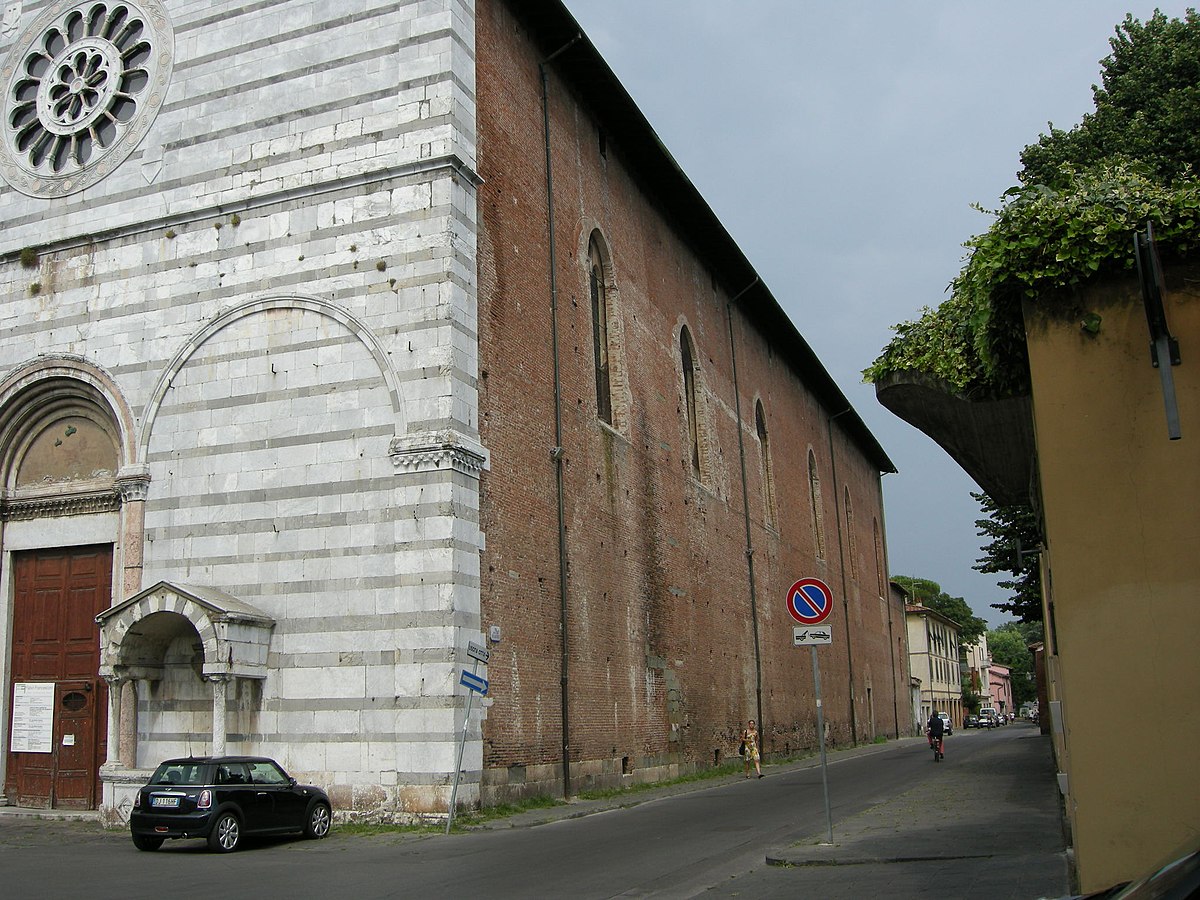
{"type": "Point", "coordinates": [938, 745]}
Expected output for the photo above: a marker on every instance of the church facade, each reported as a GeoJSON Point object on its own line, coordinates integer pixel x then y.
{"type": "Point", "coordinates": [350, 348]}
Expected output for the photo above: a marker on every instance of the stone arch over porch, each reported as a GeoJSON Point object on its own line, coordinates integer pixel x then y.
{"type": "Point", "coordinates": [139, 644]}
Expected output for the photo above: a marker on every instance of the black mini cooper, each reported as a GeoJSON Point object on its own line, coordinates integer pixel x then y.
{"type": "Point", "coordinates": [223, 799]}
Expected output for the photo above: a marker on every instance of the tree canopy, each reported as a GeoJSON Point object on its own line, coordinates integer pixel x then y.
{"type": "Point", "coordinates": [1016, 536]}
{"type": "Point", "coordinates": [1147, 107]}
{"type": "Point", "coordinates": [929, 593]}
{"type": "Point", "coordinates": [1082, 194]}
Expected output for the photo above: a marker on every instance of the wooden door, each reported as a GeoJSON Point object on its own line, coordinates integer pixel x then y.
{"type": "Point", "coordinates": [57, 596]}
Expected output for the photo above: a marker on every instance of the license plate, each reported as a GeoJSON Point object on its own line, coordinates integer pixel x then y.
{"type": "Point", "coordinates": [164, 801]}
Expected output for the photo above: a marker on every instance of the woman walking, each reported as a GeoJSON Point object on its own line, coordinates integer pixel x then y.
{"type": "Point", "coordinates": [750, 749]}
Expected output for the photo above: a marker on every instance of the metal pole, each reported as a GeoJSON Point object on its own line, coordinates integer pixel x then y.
{"type": "Point", "coordinates": [821, 738]}
{"type": "Point", "coordinates": [462, 746]}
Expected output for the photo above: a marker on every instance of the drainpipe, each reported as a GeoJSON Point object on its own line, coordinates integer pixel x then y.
{"type": "Point", "coordinates": [737, 402]}
{"type": "Point", "coordinates": [556, 453]}
{"type": "Point", "coordinates": [837, 507]}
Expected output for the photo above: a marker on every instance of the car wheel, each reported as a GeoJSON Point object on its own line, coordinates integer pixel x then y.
{"type": "Point", "coordinates": [318, 822]}
{"type": "Point", "coordinates": [226, 834]}
{"type": "Point", "coordinates": [144, 842]}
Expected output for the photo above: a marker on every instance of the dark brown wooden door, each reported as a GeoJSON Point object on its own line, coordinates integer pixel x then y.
{"type": "Point", "coordinates": [57, 596]}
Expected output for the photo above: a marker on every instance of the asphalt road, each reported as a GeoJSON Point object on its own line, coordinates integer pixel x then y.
{"type": "Point", "coordinates": [712, 841]}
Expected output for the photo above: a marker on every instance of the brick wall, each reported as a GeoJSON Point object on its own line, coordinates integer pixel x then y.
{"type": "Point", "coordinates": [660, 634]}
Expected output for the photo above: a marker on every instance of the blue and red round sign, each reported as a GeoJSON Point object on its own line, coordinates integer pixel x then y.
{"type": "Point", "coordinates": [809, 601]}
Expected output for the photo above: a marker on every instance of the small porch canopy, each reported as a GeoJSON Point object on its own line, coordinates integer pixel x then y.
{"type": "Point", "coordinates": [235, 635]}
{"type": "Point", "coordinates": [135, 635]}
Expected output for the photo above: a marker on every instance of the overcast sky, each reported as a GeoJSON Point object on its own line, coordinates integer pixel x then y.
{"type": "Point", "coordinates": [842, 144]}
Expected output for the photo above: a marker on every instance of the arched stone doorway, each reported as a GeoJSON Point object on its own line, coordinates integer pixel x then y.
{"type": "Point", "coordinates": [69, 522]}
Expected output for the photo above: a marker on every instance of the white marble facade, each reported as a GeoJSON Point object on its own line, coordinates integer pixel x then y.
{"type": "Point", "coordinates": [266, 278]}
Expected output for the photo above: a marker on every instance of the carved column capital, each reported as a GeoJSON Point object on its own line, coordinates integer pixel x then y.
{"type": "Point", "coordinates": [133, 483]}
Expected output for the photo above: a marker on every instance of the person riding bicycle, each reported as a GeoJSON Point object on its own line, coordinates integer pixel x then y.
{"type": "Point", "coordinates": [936, 729]}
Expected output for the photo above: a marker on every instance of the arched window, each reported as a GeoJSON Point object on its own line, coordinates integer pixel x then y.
{"type": "Point", "coordinates": [814, 493]}
{"type": "Point", "coordinates": [880, 581]}
{"type": "Point", "coordinates": [768, 476]}
{"type": "Point", "coordinates": [600, 344]}
{"type": "Point", "coordinates": [687, 361]}
{"type": "Point", "coordinates": [851, 544]}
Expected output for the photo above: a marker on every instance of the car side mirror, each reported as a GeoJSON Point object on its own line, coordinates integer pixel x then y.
{"type": "Point", "coordinates": [292, 781]}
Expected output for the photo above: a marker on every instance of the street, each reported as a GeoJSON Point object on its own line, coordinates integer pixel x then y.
{"type": "Point", "coordinates": [990, 810]}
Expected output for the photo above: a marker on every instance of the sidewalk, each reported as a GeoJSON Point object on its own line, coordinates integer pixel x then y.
{"type": "Point", "coordinates": [49, 815]}
{"type": "Point", "coordinates": [988, 828]}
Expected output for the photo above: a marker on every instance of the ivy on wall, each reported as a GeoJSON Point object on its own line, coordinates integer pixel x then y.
{"type": "Point", "coordinates": [1043, 245]}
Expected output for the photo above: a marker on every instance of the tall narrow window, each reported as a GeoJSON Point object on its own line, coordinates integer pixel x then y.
{"type": "Point", "coordinates": [687, 359]}
{"type": "Point", "coordinates": [600, 349]}
{"type": "Point", "coordinates": [814, 493]}
{"type": "Point", "coordinates": [768, 478]}
{"type": "Point", "coordinates": [880, 581]}
{"type": "Point", "coordinates": [851, 544]}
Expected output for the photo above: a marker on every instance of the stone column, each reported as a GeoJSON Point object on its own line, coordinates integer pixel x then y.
{"type": "Point", "coordinates": [219, 683]}
{"type": "Point", "coordinates": [113, 749]}
{"type": "Point", "coordinates": [128, 722]}
{"type": "Point", "coordinates": [133, 484]}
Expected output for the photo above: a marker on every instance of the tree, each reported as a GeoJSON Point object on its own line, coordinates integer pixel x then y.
{"type": "Point", "coordinates": [970, 698]}
{"type": "Point", "coordinates": [929, 593]}
{"type": "Point", "coordinates": [1147, 107]}
{"type": "Point", "coordinates": [1082, 194]}
{"type": "Point", "coordinates": [1016, 534]}
{"type": "Point", "coordinates": [1009, 646]}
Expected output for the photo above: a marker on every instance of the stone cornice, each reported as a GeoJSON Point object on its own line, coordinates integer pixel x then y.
{"type": "Point", "coordinates": [73, 505]}
{"type": "Point", "coordinates": [431, 452]}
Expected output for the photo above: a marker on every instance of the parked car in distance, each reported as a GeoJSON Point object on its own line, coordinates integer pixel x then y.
{"type": "Point", "coordinates": [971, 722]}
{"type": "Point", "coordinates": [988, 717]}
{"type": "Point", "coordinates": [224, 798]}
{"type": "Point", "coordinates": [945, 717]}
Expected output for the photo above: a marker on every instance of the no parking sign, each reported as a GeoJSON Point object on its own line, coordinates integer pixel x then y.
{"type": "Point", "coordinates": [809, 601]}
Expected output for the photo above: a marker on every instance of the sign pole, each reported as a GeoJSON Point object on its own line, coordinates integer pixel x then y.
{"type": "Point", "coordinates": [809, 602]}
{"type": "Point", "coordinates": [821, 739]}
{"type": "Point", "coordinates": [474, 685]}
{"type": "Point", "coordinates": [462, 745]}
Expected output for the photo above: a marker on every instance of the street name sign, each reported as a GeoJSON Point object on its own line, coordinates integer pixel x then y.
{"type": "Point", "coordinates": [809, 601]}
{"type": "Point", "coordinates": [476, 652]}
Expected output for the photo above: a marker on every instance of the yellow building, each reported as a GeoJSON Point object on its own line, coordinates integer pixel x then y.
{"type": "Point", "coordinates": [933, 645]}
{"type": "Point", "coordinates": [1120, 502]}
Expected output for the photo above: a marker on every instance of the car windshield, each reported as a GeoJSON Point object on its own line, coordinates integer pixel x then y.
{"type": "Point", "coordinates": [179, 773]}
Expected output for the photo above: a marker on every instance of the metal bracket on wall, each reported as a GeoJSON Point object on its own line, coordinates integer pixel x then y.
{"type": "Point", "coordinates": [1163, 346]}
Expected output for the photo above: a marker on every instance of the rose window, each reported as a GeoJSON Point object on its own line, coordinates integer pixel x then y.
{"type": "Point", "coordinates": [82, 87]}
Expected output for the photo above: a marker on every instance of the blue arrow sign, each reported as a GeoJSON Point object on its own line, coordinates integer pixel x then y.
{"type": "Point", "coordinates": [473, 682]}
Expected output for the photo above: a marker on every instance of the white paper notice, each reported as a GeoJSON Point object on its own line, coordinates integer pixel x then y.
{"type": "Point", "coordinates": [33, 717]}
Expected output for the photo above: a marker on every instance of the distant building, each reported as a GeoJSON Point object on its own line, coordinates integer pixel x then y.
{"type": "Point", "coordinates": [976, 662]}
{"type": "Point", "coordinates": [933, 649]}
{"type": "Point", "coordinates": [1000, 681]}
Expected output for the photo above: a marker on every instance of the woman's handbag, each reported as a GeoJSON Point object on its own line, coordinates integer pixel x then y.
{"type": "Point", "coordinates": [742, 749]}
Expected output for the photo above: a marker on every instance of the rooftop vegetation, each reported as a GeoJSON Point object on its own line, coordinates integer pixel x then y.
{"type": "Point", "coordinates": [1082, 195]}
